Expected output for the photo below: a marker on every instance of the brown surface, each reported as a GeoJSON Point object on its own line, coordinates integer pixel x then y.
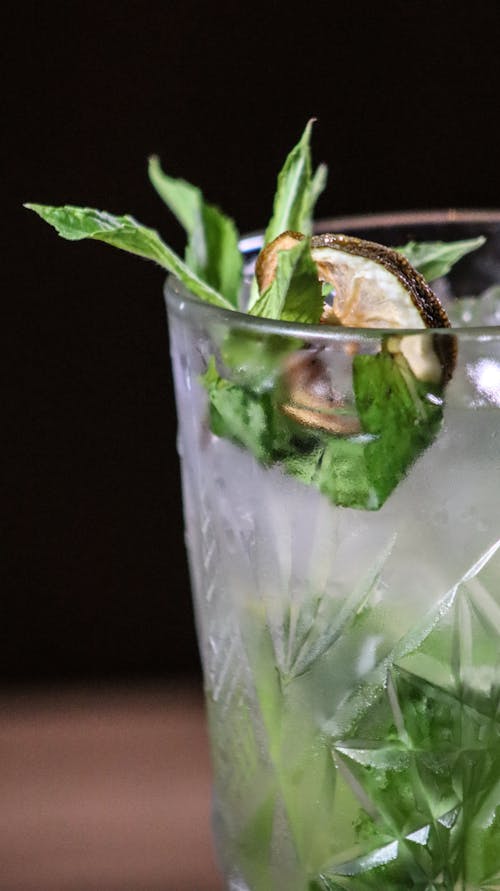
{"type": "Point", "coordinates": [105, 791]}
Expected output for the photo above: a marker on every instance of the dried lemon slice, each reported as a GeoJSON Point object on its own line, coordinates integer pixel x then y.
{"type": "Point", "coordinates": [267, 261]}
{"type": "Point", "coordinates": [374, 287]}
{"type": "Point", "coordinates": [313, 401]}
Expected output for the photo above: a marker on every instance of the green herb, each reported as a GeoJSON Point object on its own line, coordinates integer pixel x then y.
{"type": "Point", "coordinates": [212, 250]}
{"type": "Point", "coordinates": [399, 413]}
{"type": "Point", "coordinates": [294, 295]}
{"type": "Point", "coordinates": [252, 358]}
{"type": "Point", "coordinates": [435, 258]}
{"type": "Point", "coordinates": [398, 788]}
{"type": "Point", "coordinates": [431, 779]}
{"type": "Point", "coordinates": [399, 417]}
{"type": "Point", "coordinates": [252, 420]}
{"type": "Point", "coordinates": [76, 223]}
{"type": "Point", "coordinates": [297, 191]}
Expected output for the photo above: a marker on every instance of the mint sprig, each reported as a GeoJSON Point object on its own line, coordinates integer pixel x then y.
{"type": "Point", "coordinates": [124, 232]}
{"type": "Point", "coordinates": [212, 250]}
{"type": "Point", "coordinates": [297, 190]}
{"type": "Point", "coordinates": [245, 395]}
{"type": "Point", "coordinates": [399, 418]}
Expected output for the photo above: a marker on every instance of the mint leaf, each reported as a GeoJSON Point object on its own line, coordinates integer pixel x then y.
{"type": "Point", "coordinates": [124, 232]}
{"type": "Point", "coordinates": [416, 768]}
{"type": "Point", "coordinates": [238, 415]}
{"type": "Point", "coordinates": [246, 418]}
{"type": "Point", "coordinates": [296, 194]}
{"type": "Point", "coordinates": [395, 410]}
{"type": "Point", "coordinates": [253, 357]}
{"type": "Point", "coordinates": [295, 294]}
{"type": "Point", "coordinates": [181, 198]}
{"type": "Point", "coordinates": [297, 190]}
{"type": "Point", "coordinates": [212, 250]}
{"type": "Point", "coordinates": [435, 258]}
{"type": "Point", "coordinates": [398, 422]}
{"type": "Point", "coordinates": [317, 187]}
{"type": "Point", "coordinates": [339, 471]}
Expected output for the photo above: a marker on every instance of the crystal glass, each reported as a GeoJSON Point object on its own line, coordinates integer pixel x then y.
{"type": "Point", "coordinates": [351, 653]}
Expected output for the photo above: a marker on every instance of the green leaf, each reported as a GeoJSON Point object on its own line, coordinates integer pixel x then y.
{"type": "Point", "coordinates": [338, 469]}
{"type": "Point", "coordinates": [181, 198]}
{"type": "Point", "coordinates": [297, 190]}
{"type": "Point", "coordinates": [295, 294]}
{"type": "Point", "coordinates": [435, 258]}
{"type": "Point", "coordinates": [320, 623]}
{"type": "Point", "coordinates": [318, 185]}
{"type": "Point", "coordinates": [395, 411]}
{"type": "Point", "coordinates": [76, 223]}
{"type": "Point", "coordinates": [241, 416]}
{"type": "Point", "coordinates": [398, 422]}
{"type": "Point", "coordinates": [212, 251]}
{"type": "Point", "coordinates": [254, 357]}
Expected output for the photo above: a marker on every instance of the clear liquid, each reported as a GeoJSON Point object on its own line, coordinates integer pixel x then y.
{"type": "Point", "coordinates": [351, 658]}
{"type": "Point", "coordinates": [351, 664]}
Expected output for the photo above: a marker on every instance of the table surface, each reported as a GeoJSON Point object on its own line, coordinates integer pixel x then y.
{"type": "Point", "coordinates": [105, 790]}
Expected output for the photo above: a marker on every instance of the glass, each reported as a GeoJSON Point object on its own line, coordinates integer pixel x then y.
{"type": "Point", "coordinates": [351, 656]}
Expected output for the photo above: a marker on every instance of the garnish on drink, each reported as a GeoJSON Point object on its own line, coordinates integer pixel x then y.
{"type": "Point", "coordinates": [365, 285]}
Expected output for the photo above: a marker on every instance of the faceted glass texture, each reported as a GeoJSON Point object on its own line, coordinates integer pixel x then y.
{"type": "Point", "coordinates": [351, 655]}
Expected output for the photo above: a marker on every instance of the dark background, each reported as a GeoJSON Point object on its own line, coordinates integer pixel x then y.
{"type": "Point", "coordinates": [406, 97]}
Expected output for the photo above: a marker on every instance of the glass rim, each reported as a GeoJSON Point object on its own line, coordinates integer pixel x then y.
{"type": "Point", "coordinates": [179, 298]}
